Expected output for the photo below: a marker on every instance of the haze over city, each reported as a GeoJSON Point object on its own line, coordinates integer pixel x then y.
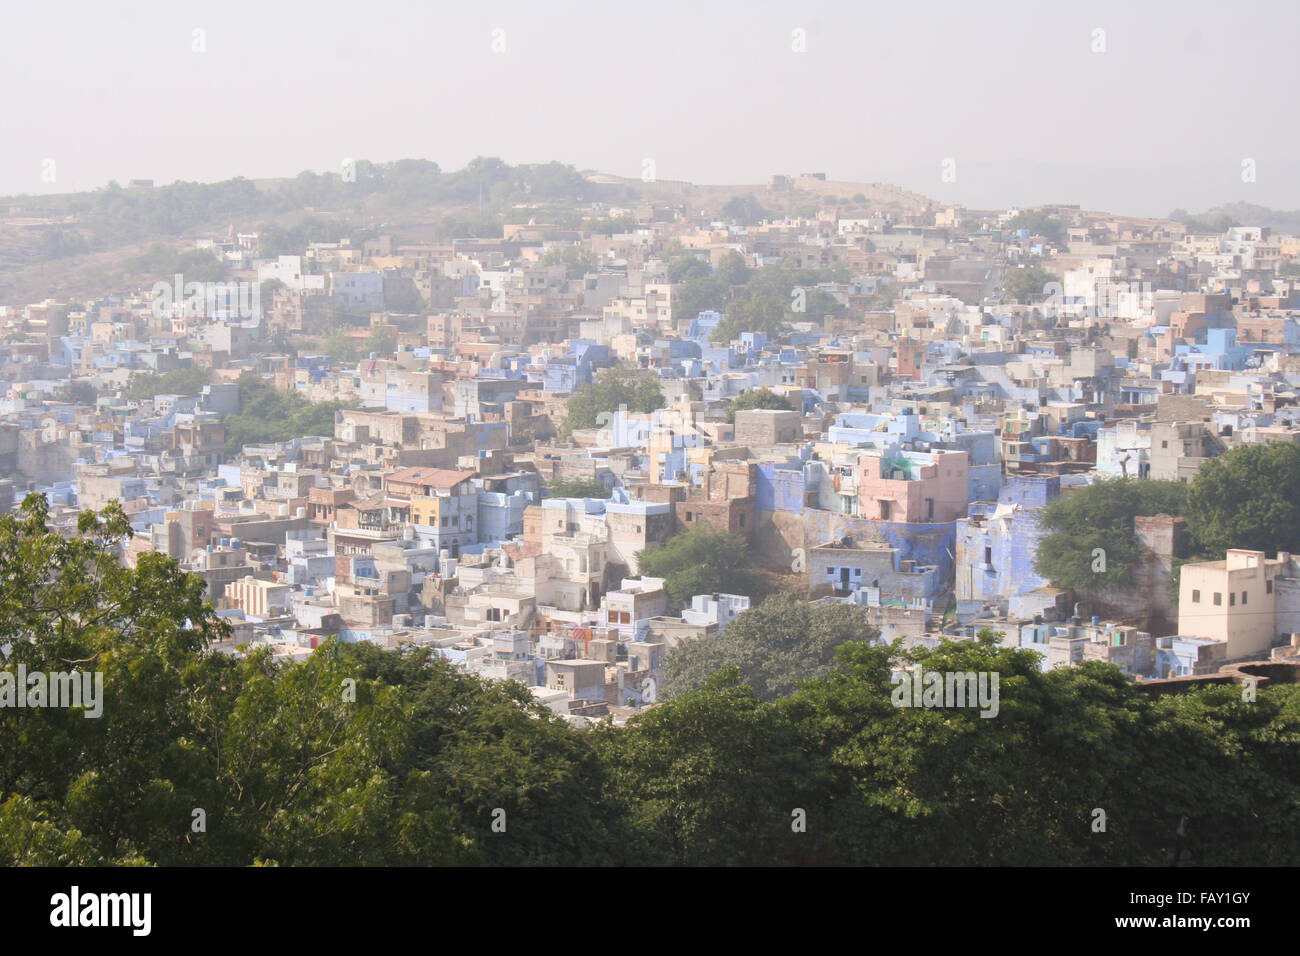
{"type": "Point", "coordinates": [1030, 102]}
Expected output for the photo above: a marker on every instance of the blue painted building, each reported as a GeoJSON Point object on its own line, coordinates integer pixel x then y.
{"type": "Point", "coordinates": [997, 543]}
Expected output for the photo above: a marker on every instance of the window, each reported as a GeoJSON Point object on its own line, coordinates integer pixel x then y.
{"type": "Point", "coordinates": [1164, 444]}
{"type": "Point", "coordinates": [1232, 599]}
{"type": "Point", "coordinates": [688, 516]}
{"type": "Point", "coordinates": [1196, 597]}
{"type": "Point", "coordinates": [1218, 599]}
{"type": "Point", "coordinates": [1244, 596]}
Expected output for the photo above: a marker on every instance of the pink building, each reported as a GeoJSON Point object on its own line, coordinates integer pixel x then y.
{"type": "Point", "coordinates": [927, 487]}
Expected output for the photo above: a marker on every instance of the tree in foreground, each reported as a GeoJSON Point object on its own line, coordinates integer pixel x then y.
{"type": "Point", "coordinates": [358, 755]}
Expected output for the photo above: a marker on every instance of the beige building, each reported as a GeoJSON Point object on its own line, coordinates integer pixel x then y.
{"type": "Point", "coordinates": [1233, 600]}
{"type": "Point", "coordinates": [258, 598]}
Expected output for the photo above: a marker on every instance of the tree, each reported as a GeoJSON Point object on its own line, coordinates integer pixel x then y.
{"type": "Point", "coordinates": [745, 210]}
{"type": "Point", "coordinates": [179, 381]}
{"type": "Point", "coordinates": [1249, 497]}
{"type": "Point", "coordinates": [688, 267]}
{"type": "Point", "coordinates": [340, 346]}
{"type": "Point", "coordinates": [112, 778]}
{"type": "Point", "coordinates": [60, 243]}
{"type": "Point", "coordinates": [732, 270]}
{"type": "Point", "coordinates": [774, 646]}
{"type": "Point", "coordinates": [576, 260]}
{"type": "Point", "coordinates": [757, 398]}
{"type": "Point", "coordinates": [1098, 519]}
{"type": "Point", "coordinates": [266, 415]}
{"type": "Point", "coordinates": [698, 294]}
{"type": "Point", "coordinates": [1021, 284]}
{"type": "Point", "coordinates": [612, 389]}
{"type": "Point", "coordinates": [755, 313]}
{"type": "Point", "coordinates": [80, 393]}
{"type": "Point", "coordinates": [607, 226]}
{"type": "Point", "coordinates": [1219, 224]}
{"type": "Point", "coordinates": [1038, 223]}
{"type": "Point", "coordinates": [355, 756]}
{"type": "Point", "coordinates": [382, 342]}
{"type": "Point", "coordinates": [579, 488]}
{"type": "Point", "coordinates": [709, 779]}
{"type": "Point", "coordinates": [269, 289]}
{"type": "Point", "coordinates": [701, 561]}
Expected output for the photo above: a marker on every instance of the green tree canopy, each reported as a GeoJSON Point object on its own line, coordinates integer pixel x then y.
{"type": "Point", "coordinates": [732, 270]}
{"type": "Point", "coordinates": [267, 415]}
{"type": "Point", "coordinates": [339, 345]}
{"type": "Point", "coordinates": [688, 267]}
{"type": "Point", "coordinates": [698, 294]}
{"type": "Point", "coordinates": [1022, 284]}
{"type": "Point", "coordinates": [1249, 497]}
{"type": "Point", "coordinates": [774, 646]}
{"type": "Point", "coordinates": [579, 488]}
{"type": "Point", "coordinates": [1038, 223]}
{"type": "Point", "coordinates": [576, 260]}
{"type": "Point", "coordinates": [179, 381]}
{"type": "Point", "coordinates": [1099, 517]}
{"type": "Point", "coordinates": [757, 398]}
{"type": "Point", "coordinates": [611, 389]}
{"type": "Point", "coordinates": [755, 313]}
{"type": "Point", "coordinates": [701, 561]}
{"type": "Point", "coordinates": [382, 342]}
{"type": "Point", "coordinates": [80, 393]}
{"type": "Point", "coordinates": [745, 210]}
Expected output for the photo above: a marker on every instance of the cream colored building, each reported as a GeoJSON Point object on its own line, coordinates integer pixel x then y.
{"type": "Point", "coordinates": [1233, 600]}
{"type": "Point", "coordinates": [258, 598]}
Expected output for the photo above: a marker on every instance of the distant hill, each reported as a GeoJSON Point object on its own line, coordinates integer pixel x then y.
{"type": "Point", "coordinates": [1240, 214]}
{"type": "Point", "coordinates": [81, 242]}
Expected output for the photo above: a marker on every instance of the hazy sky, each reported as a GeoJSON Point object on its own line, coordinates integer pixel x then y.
{"type": "Point", "coordinates": [713, 92]}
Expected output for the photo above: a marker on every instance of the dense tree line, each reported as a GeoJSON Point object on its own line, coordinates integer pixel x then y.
{"type": "Point", "coordinates": [362, 756]}
{"type": "Point", "coordinates": [113, 215]}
